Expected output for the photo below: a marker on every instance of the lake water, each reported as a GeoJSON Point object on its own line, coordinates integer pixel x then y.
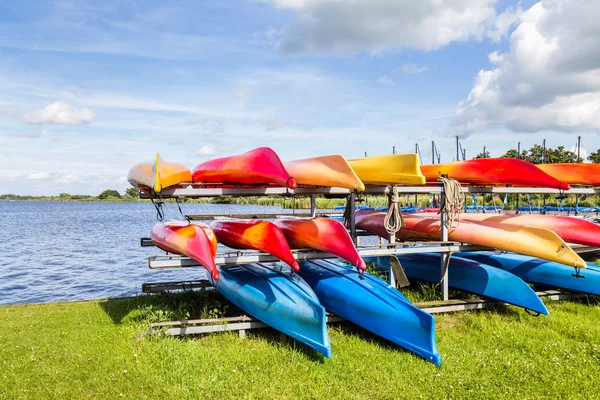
{"type": "Point", "coordinates": [80, 251]}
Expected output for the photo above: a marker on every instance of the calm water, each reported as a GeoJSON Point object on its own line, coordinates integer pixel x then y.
{"type": "Point", "coordinates": [80, 251]}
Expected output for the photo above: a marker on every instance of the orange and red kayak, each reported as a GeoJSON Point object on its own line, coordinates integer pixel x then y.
{"type": "Point", "coordinates": [494, 171]}
{"type": "Point", "coordinates": [332, 171]}
{"type": "Point", "coordinates": [196, 241]}
{"type": "Point", "coordinates": [536, 242]}
{"type": "Point", "coordinates": [321, 234]}
{"type": "Point", "coordinates": [158, 175]}
{"type": "Point", "coordinates": [570, 229]}
{"type": "Point", "coordinates": [258, 167]}
{"type": "Point", "coordinates": [575, 174]}
{"type": "Point", "coordinates": [255, 234]}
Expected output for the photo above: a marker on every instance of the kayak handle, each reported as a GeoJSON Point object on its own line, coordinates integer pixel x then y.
{"type": "Point", "coordinates": [577, 273]}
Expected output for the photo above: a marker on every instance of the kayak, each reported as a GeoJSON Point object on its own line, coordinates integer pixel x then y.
{"type": "Point", "coordinates": [540, 272]}
{"type": "Point", "coordinates": [195, 241]}
{"type": "Point", "coordinates": [493, 171]}
{"type": "Point", "coordinates": [158, 175]}
{"type": "Point", "coordinates": [331, 171]}
{"type": "Point", "coordinates": [570, 229]}
{"type": "Point", "coordinates": [372, 304]}
{"type": "Point", "coordinates": [254, 234]}
{"type": "Point", "coordinates": [394, 169]}
{"type": "Point", "coordinates": [537, 242]}
{"type": "Point", "coordinates": [474, 277]}
{"type": "Point", "coordinates": [260, 166]}
{"type": "Point", "coordinates": [576, 173]}
{"type": "Point", "coordinates": [323, 234]}
{"type": "Point", "coordinates": [268, 293]}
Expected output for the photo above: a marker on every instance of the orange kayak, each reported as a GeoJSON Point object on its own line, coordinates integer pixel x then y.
{"type": "Point", "coordinates": [323, 234]}
{"type": "Point", "coordinates": [494, 171]}
{"type": "Point", "coordinates": [196, 241]}
{"type": "Point", "coordinates": [158, 175]}
{"type": "Point", "coordinates": [260, 166]}
{"type": "Point", "coordinates": [570, 229]}
{"type": "Point", "coordinates": [575, 174]}
{"type": "Point", "coordinates": [536, 242]}
{"type": "Point", "coordinates": [255, 234]}
{"type": "Point", "coordinates": [331, 171]}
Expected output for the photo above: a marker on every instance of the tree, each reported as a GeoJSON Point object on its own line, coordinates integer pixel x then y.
{"type": "Point", "coordinates": [512, 153]}
{"type": "Point", "coordinates": [595, 157]}
{"type": "Point", "coordinates": [560, 155]}
{"type": "Point", "coordinates": [132, 192]}
{"type": "Point", "coordinates": [109, 193]}
{"type": "Point", "coordinates": [482, 155]}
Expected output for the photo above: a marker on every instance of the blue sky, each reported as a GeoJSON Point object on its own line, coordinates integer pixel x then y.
{"type": "Point", "coordinates": [87, 90]}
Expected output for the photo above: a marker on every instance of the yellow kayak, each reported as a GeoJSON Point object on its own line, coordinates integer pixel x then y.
{"type": "Point", "coordinates": [332, 171]}
{"type": "Point", "coordinates": [158, 175]}
{"type": "Point", "coordinates": [398, 169]}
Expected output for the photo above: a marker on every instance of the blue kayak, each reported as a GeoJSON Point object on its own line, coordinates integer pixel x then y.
{"type": "Point", "coordinates": [474, 277]}
{"type": "Point", "coordinates": [268, 293]}
{"type": "Point", "coordinates": [542, 272]}
{"type": "Point", "coordinates": [372, 304]}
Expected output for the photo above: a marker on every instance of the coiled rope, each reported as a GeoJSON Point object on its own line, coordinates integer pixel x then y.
{"type": "Point", "coordinates": [393, 219]}
{"type": "Point", "coordinates": [454, 199]}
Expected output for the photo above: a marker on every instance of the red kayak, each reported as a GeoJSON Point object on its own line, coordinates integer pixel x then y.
{"type": "Point", "coordinates": [570, 229]}
{"type": "Point", "coordinates": [196, 241]}
{"type": "Point", "coordinates": [321, 234]}
{"type": "Point", "coordinates": [258, 167]}
{"type": "Point", "coordinates": [494, 171]}
{"type": "Point", "coordinates": [528, 240]}
{"type": "Point", "coordinates": [255, 234]}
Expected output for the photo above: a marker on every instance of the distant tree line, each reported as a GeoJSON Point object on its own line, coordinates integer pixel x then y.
{"type": "Point", "coordinates": [537, 155]}
{"type": "Point", "coordinates": [107, 195]}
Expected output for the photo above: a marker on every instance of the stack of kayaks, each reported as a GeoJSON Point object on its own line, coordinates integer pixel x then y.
{"type": "Point", "coordinates": [295, 303]}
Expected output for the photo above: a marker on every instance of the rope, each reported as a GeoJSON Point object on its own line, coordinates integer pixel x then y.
{"type": "Point", "coordinates": [453, 200]}
{"type": "Point", "coordinates": [181, 212]}
{"type": "Point", "coordinates": [158, 204]}
{"type": "Point", "coordinates": [393, 220]}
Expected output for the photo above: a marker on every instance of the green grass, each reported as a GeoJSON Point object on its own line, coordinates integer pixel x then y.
{"type": "Point", "coordinates": [90, 350]}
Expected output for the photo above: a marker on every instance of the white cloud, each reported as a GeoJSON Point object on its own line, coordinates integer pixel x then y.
{"type": "Point", "coordinates": [61, 113]}
{"type": "Point", "coordinates": [549, 80]}
{"type": "Point", "coordinates": [414, 68]}
{"type": "Point", "coordinates": [37, 176]}
{"type": "Point", "coordinates": [385, 80]}
{"type": "Point", "coordinates": [77, 91]}
{"type": "Point", "coordinates": [69, 179]}
{"type": "Point", "coordinates": [503, 23]}
{"type": "Point", "coordinates": [206, 150]}
{"type": "Point", "coordinates": [350, 26]}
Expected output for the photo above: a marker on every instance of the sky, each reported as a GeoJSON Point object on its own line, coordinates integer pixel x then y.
{"type": "Point", "coordinates": [87, 89]}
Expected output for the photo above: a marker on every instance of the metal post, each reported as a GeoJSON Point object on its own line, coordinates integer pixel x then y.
{"type": "Point", "coordinates": [517, 206]}
{"type": "Point", "coordinates": [578, 148]}
{"type": "Point", "coordinates": [313, 205]}
{"type": "Point", "coordinates": [484, 156]}
{"type": "Point", "coordinates": [365, 153]}
{"type": "Point", "coordinates": [519, 150]}
{"type": "Point", "coordinates": [457, 156]}
{"type": "Point", "coordinates": [432, 152]}
{"type": "Point", "coordinates": [352, 205]}
{"type": "Point", "coordinates": [444, 238]}
{"type": "Point", "coordinates": [393, 149]}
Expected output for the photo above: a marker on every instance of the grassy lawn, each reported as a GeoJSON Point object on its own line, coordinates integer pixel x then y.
{"type": "Point", "coordinates": [90, 350]}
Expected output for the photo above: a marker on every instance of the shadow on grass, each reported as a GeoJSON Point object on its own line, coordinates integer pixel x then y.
{"type": "Point", "coordinates": [175, 306]}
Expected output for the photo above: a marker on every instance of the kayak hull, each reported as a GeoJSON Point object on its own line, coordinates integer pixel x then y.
{"type": "Point", "coordinates": [322, 234]}
{"type": "Point", "coordinates": [537, 242]}
{"type": "Point", "coordinates": [332, 171]}
{"type": "Point", "coordinates": [254, 234]}
{"type": "Point", "coordinates": [570, 229]}
{"type": "Point", "coordinates": [268, 293]}
{"type": "Point", "coordinates": [192, 240]}
{"type": "Point", "coordinates": [493, 171]}
{"type": "Point", "coordinates": [372, 304]}
{"type": "Point", "coordinates": [158, 175]}
{"type": "Point", "coordinates": [474, 277]}
{"type": "Point", "coordinates": [260, 167]}
{"type": "Point", "coordinates": [541, 272]}
{"type": "Point", "coordinates": [575, 174]}
{"type": "Point", "coordinates": [398, 169]}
